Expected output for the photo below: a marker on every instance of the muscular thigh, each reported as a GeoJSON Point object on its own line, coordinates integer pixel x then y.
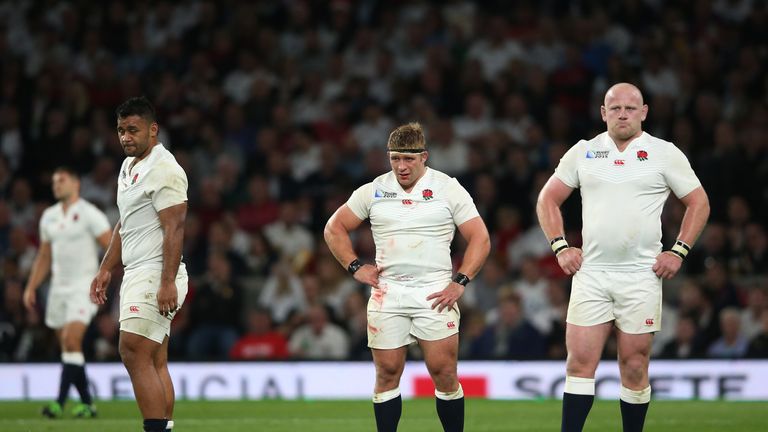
{"type": "Point", "coordinates": [585, 343]}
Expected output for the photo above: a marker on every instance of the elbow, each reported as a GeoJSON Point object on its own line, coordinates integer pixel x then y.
{"type": "Point", "coordinates": [486, 246]}
{"type": "Point", "coordinates": [542, 204]}
{"type": "Point", "coordinates": [328, 232]}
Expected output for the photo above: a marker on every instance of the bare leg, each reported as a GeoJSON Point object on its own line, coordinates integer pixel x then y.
{"type": "Point", "coordinates": [387, 403]}
{"type": "Point", "coordinates": [585, 346]}
{"type": "Point", "coordinates": [441, 357]}
{"type": "Point", "coordinates": [138, 354]}
{"type": "Point", "coordinates": [635, 393]}
{"type": "Point", "coordinates": [161, 365]}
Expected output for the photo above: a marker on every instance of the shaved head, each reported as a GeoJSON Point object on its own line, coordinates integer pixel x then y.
{"type": "Point", "coordinates": [623, 89]}
{"type": "Point", "coordinates": [623, 111]}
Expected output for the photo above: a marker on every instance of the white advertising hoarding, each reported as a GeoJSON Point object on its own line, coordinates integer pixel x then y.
{"type": "Point", "coordinates": [730, 380]}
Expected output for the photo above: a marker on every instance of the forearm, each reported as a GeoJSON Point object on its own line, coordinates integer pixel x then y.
{"type": "Point", "coordinates": [694, 220]}
{"type": "Point", "coordinates": [114, 254]}
{"type": "Point", "coordinates": [550, 218]}
{"type": "Point", "coordinates": [475, 256]}
{"type": "Point", "coordinates": [173, 240]}
{"type": "Point", "coordinates": [40, 270]}
{"type": "Point", "coordinates": [340, 244]}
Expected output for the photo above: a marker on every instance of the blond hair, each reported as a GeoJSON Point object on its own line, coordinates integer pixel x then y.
{"type": "Point", "coordinates": [407, 137]}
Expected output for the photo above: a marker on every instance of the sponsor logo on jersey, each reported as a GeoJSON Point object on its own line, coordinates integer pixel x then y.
{"type": "Point", "coordinates": [407, 202]}
{"type": "Point", "coordinates": [618, 162]}
{"type": "Point", "coordinates": [75, 217]}
{"type": "Point", "coordinates": [642, 155]}
{"type": "Point", "coordinates": [134, 309]}
{"type": "Point", "coordinates": [135, 177]}
{"type": "Point", "coordinates": [427, 194]}
{"type": "Point", "coordinates": [649, 321]}
{"type": "Point", "coordinates": [451, 324]}
{"type": "Point", "coordinates": [381, 194]}
{"type": "Point", "coordinates": [597, 154]}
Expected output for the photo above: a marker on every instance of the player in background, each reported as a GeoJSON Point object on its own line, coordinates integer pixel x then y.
{"type": "Point", "coordinates": [152, 201]}
{"type": "Point", "coordinates": [625, 176]}
{"type": "Point", "coordinates": [413, 211]}
{"type": "Point", "coordinates": [71, 232]}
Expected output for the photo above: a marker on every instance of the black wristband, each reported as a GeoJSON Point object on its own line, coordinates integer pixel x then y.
{"type": "Point", "coordinates": [461, 279]}
{"type": "Point", "coordinates": [354, 266]}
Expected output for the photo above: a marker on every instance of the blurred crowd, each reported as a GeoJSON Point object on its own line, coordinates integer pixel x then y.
{"type": "Point", "coordinates": [277, 110]}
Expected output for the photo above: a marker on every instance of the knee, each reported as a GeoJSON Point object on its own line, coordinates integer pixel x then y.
{"type": "Point", "coordinates": [71, 344]}
{"type": "Point", "coordinates": [634, 368]}
{"type": "Point", "coordinates": [581, 365]}
{"type": "Point", "coordinates": [127, 352]}
{"type": "Point", "coordinates": [388, 373]}
{"type": "Point", "coordinates": [444, 376]}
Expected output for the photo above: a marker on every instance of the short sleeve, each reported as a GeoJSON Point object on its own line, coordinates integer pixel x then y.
{"type": "Point", "coordinates": [568, 168]}
{"type": "Point", "coordinates": [360, 201]}
{"type": "Point", "coordinates": [45, 236]}
{"type": "Point", "coordinates": [679, 174]}
{"type": "Point", "coordinates": [460, 202]}
{"type": "Point", "coordinates": [97, 222]}
{"type": "Point", "coordinates": [168, 186]}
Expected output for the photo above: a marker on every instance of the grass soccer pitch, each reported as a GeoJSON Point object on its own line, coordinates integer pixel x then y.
{"type": "Point", "coordinates": [418, 416]}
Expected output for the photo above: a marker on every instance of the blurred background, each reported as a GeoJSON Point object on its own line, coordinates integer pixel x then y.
{"type": "Point", "coordinates": [278, 110]}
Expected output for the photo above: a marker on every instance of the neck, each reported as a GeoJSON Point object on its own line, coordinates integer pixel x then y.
{"type": "Point", "coordinates": [622, 144]}
{"type": "Point", "coordinates": [146, 152]}
{"type": "Point", "coordinates": [65, 203]}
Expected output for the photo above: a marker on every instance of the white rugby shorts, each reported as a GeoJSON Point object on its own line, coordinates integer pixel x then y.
{"type": "Point", "coordinates": [70, 303]}
{"type": "Point", "coordinates": [139, 312]}
{"type": "Point", "coordinates": [631, 299]}
{"type": "Point", "coordinates": [399, 314]}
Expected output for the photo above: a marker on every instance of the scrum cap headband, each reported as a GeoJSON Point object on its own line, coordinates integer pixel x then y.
{"type": "Point", "coordinates": [407, 150]}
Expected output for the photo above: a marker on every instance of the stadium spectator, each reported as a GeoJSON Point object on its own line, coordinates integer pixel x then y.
{"type": "Point", "coordinates": [732, 344]}
{"type": "Point", "coordinates": [282, 292]}
{"type": "Point", "coordinates": [216, 313]}
{"type": "Point", "coordinates": [758, 346]}
{"type": "Point", "coordinates": [260, 341]}
{"type": "Point", "coordinates": [686, 343]}
{"type": "Point", "coordinates": [512, 336]}
{"type": "Point", "coordinates": [319, 338]}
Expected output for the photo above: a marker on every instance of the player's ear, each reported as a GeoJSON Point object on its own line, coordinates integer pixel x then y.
{"type": "Point", "coordinates": [602, 112]}
{"type": "Point", "coordinates": [154, 129]}
{"type": "Point", "coordinates": [644, 111]}
{"type": "Point", "coordinates": [424, 156]}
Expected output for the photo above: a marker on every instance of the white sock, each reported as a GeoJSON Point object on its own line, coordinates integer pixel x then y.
{"type": "Point", "coordinates": [169, 426]}
{"type": "Point", "coordinates": [580, 386]}
{"type": "Point", "coordinates": [635, 396]}
{"type": "Point", "coordinates": [458, 394]}
{"type": "Point", "coordinates": [386, 395]}
{"type": "Point", "coordinates": [73, 358]}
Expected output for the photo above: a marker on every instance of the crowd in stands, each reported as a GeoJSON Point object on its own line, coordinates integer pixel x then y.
{"type": "Point", "coordinates": [278, 110]}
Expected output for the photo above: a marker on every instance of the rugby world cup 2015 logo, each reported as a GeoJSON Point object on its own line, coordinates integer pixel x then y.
{"type": "Point", "coordinates": [427, 194]}
{"type": "Point", "coordinates": [642, 155]}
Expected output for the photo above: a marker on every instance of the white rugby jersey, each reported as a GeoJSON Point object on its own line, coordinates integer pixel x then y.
{"type": "Point", "coordinates": [74, 246]}
{"type": "Point", "coordinates": [413, 231]}
{"type": "Point", "coordinates": [623, 194]}
{"type": "Point", "coordinates": [153, 184]}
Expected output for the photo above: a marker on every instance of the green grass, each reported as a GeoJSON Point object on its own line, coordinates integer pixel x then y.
{"type": "Point", "coordinates": [418, 416]}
